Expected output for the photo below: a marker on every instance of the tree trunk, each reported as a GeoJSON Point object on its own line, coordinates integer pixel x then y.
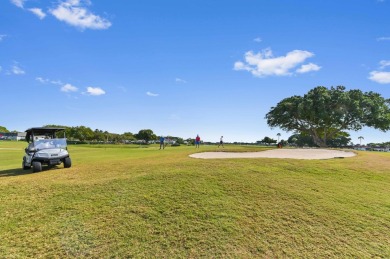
{"type": "Point", "coordinates": [317, 140]}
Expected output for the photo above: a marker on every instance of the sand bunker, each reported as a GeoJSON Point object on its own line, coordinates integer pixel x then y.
{"type": "Point", "coordinates": [279, 153]}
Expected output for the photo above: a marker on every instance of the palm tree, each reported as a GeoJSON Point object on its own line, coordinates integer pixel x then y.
{"type": "Point", "coordinates": [278, 136]}
{"type": "Point", "coordinates": [360, 140]}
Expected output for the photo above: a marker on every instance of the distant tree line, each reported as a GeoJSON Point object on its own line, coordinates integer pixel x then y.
{"type": "Point", "coordinates": [86, 134]}
{"type": "Point", "coordinates": [304, 140]}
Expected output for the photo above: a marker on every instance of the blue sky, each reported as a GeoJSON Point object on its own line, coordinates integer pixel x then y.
{"type": "Point", "coordinates": [184, 67]}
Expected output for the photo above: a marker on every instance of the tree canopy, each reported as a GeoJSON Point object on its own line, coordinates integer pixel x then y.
{"type": "Point", "coordinates": [3, 129]}
{"type": "Point", "coordinates": [326, 114]}
{"type": "Point", "coordinates": [268, 140]}
{"type": "Point", "coordinates": [146, 134]}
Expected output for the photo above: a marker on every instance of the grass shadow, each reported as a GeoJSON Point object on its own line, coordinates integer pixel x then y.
{"type": "Point", "coordinates": [20, 171]}
{"type": "Point", "coordinates": [14, 172]}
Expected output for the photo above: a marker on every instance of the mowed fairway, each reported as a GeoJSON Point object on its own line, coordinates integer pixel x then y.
{"type": "Point", "coordinates": [126, 201]}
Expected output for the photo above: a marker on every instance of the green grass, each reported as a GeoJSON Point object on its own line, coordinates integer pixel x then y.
{"type": "Point", "coordinates": [126, 201]}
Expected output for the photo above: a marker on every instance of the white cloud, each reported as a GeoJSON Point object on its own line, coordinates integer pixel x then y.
{"type": "Point", "coordinates": [47, 80]}
{"type": "Point", "coordinates": [73, 13]}
{"type": "Point", "coordinates": [18, 3]}
{"type": "Point", "coordinates": [95, 91]}
{"type": "Point", "coordinates": [42, 80]}
{"type": "Point", "coordinates": [384, 63]}
{"type": "Point", "coordinates": [383, 38]}
{"type": "Point", "coordinates": [16, 70]}
{"type": "Point", "coordinates": [2, 36]}
{"type": "Point", "coordinates": [264, 64]}
{"type": "Point", "coordinates": [258, 39]}
{"type": "Point", "coordinates": [38, 12]}
{"type": "Point", "coordinates": [56, 82]}
{"type": "Point", "coordinates": [1, 68]}
{"type": "Point", "coordinates": [380, 77]}
{"type": "Point", "coordinates": [151, 94]}
{"type": "Point", "coordinates": [69, 88]}
{"type": "Point", "coordinates": [308, 67]}
{"type": "Point", "coordinates": [179, 80]}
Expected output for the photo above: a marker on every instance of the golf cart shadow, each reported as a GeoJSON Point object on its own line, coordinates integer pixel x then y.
{"type": "Point", "coordinates": [19, 171]}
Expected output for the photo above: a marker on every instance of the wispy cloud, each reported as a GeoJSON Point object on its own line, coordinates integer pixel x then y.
{"type": "Point", "coordinates": [42, 80]}
{"type": "Point", "coordinates": [151, 94]}
{"type": "Point", "coordinates": [48, 81]}
{"type": "Point", "coordinates": [1, 69]}
{"type": "Point", "coordinates": [56, 82]}
{"type": "Point", "coordinates": [74, 13]}
{"type": "Point", "coordinates": [308, 68]}
{"type": "Point", "coordinates": [380, 76]}
{"type": "Point", "coordinates": [383, 39]}
{"type": "Point", "coordinates": [179, 80]}
{"type": "Point", "coordinates": [18, 3]}
{"type": "Point", "coordinates": [38, 12]}
{"type": "Point", "coordinates": [2, 36]}
{"type": "Point", "coordinates": [264, 63]}
{"type": "Point", "coordinates": [69, 88]}
{"type": "Point", "coordinates": [16, 70]}
{"type": "Point", "coordinates": [258, 39]}
{"type": "Point", "coordinates": [384, 63]}
{"type": "Point", "coordinates": [95, 91]}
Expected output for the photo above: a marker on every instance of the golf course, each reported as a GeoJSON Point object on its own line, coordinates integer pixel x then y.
{"type": "Point", "coordinates": [130, 201]}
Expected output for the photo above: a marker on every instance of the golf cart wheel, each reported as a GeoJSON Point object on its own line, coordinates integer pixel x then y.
{"type": "Point", "coordinates": [67, 162]}
{"type": "Point", "coordinates": [24, 165]}
{"type": "Point", "coordinates": [37, 166]}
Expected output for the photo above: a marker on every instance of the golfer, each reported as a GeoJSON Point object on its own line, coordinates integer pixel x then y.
{"type": "Point", "coordinates": [221, 142]}
{"type": "Point", "coordinates": [197, 141]}
{"type": "Point", "coordinates": [162, 139]}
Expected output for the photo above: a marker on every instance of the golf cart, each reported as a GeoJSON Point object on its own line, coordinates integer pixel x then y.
{"type": "Point", "coordinates": [45, 148]}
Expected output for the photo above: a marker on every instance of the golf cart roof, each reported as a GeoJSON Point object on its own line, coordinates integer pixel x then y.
{"type": "Point", "coordinates": [43, 130]}
{"type": "Point", "coordinates": [39, 131]}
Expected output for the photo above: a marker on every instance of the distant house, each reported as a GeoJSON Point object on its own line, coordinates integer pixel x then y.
{"type": "Point", "coordinates": [372, 148]}
{"type": "Point", "coordinates": [12, 136]}
{"type": "Point", "coordinates": [8, 136]}
{"type": "Point", "coordinates": [361, 148]}
{"type": "Point", "coordinates": [21, 136]}
{"type": "Point", "coordinates": [169, 141]}
{"type": "Point", "coordinates": [380, 149]}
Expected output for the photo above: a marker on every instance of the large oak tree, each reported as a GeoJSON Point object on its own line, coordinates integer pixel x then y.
{"type": "Point", "coordinates": [325, 113]}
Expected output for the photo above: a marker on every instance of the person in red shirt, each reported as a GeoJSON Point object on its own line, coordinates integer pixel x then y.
{"type": "Point", "coordinates": [197, 141]}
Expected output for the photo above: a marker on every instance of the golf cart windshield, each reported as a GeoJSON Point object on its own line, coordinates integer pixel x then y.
{"type": "Point", "coordinates": [50, 143]}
